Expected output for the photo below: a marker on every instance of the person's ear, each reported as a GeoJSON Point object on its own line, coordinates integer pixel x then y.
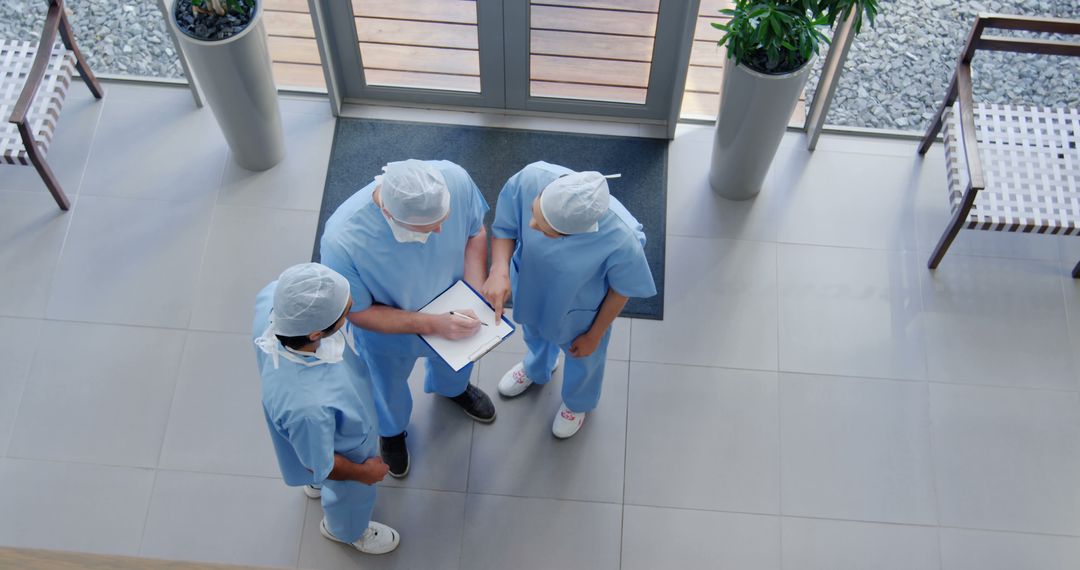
{"type": "Point", "coordinates": [315, 336]}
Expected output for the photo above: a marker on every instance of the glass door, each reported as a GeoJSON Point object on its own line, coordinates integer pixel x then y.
{"type": "Point", "coordinates": [614, 58]}
{"type": "Point", "coordinates": [417, 51]}
{"type": "Point", "coordinates": [597, 57]}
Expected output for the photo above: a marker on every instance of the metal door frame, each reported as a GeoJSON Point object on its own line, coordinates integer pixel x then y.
{"type": "Point", "coordinates": [503, 38]}
{"type": "Point", "coordinates": [347, 68]}
{"type": "Point", "coordinates": [675, 26]}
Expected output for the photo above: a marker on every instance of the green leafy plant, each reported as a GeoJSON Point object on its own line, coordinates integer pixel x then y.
{"type": "Point", "coordinates": [780, 36]}
{"type": "Point", "coordinates": [221, 7]}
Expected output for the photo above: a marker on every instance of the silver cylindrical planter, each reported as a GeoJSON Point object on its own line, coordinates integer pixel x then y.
{"type": "Point", "coordinates": [236, 77]}
{"type": "Point", "coordinates": [754, 112]}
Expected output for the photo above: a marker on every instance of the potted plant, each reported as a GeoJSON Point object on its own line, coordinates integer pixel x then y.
{"type": "Point", "coordinates": [771, 46]}
{"type": "Point", "coordinates": [226, 47]}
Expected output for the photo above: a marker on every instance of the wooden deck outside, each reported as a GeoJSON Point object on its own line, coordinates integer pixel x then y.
{"type": "Point", "coordinates": [584, 49]}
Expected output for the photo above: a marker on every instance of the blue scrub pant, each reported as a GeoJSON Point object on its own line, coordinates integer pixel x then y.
{"type": "Point", "coordinates": [390, 383]}
{"type": "Point", "coordinates": [347, 505]}
{"type": "Point", "coordinates": [582, 377]}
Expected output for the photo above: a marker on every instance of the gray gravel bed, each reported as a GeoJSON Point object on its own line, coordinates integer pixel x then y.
{"type": "Point", "coordinates": [897, 72]}
{"type": "Point", "coordinates": [126, 37]}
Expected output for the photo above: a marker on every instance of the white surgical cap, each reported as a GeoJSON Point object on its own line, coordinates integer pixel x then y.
{"type": "Point", "coordinates": [414, 192]}
{"type": "Point", "coordinates": [573, 204]}
{"type": "Point", "coordinates": [309, 297]}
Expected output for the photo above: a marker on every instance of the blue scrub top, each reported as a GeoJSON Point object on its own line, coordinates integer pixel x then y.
{"type": "Point", "coordinates": [314, 412]}
{"type": "Point", "coordinates": [558, 284]}
{"type": "Point", "coordinates": [358, 243]}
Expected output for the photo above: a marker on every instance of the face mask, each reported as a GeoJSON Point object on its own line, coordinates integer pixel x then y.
{"type": "Point", "coordinates": [331, 349]}
{"type": "Point", "coordinates": [405, 235]}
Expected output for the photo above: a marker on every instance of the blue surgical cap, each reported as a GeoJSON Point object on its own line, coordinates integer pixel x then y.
{"type": "Point", "coordinates": [309, 298]}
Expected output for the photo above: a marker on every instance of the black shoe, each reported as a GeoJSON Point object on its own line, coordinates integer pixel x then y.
{"type": "Point", "coordinates": [476, 404]}
{"type": "Point", "coordinates": [395, 454]}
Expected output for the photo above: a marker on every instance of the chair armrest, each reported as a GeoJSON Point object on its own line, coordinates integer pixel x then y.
{"type": "Point", "coordinates": [967, 127]}
{"type": "Point", "coordinates": [41, 61]}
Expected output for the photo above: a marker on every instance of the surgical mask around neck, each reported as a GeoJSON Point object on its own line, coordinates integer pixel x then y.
{"type": "Point", "coordinates": [403, 234]}
{"type": "Point", "coordinates": [331, 349]}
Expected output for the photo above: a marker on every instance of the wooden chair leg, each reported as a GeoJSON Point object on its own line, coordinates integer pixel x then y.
{"type": "Point", "coordinates": [43, 168]}
{"type": "Point", "coordinates": [88, 77]}
{"type": "Point", "coordinates": [957, 222]}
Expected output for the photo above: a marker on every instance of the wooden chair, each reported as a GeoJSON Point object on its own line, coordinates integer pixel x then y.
{"type": "Point", "coordinates": [1009, 168]}
{"type": "Point", "coordinates": [24, 67]}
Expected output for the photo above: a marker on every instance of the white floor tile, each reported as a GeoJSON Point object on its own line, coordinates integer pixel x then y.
{"type": "Point", "coordinates": [518, 455]}
{"type": "Point", "coordinates": [18, 340]}
{"type": "Point", "coordinates": [429, 523]}
{"type": "Point", "coordinates": [316, 105]}
{"type": "Point", "coordinates": [720, 308]}
{"type": "Point", "coordinates": [160, 211]}
{"type": "Point", "coordinates": [98, 394]}
{"type": "Point", "coordinates": [1007, 459]}
{"type": "Point", "coordinates": [997, 321]}
{"type": "Point", "coordinates": [131, 262]}
{"type": "Point", "coordinates": [1072, 311]}
{"type": "Point", "coordinates": [852, 200]}
{"type": "Point", "coordinates": [695, 210]}
{"type": "Point", "coordinates": [902, 148]}
{"type": "Point", "coordinates": [981, 550]}
{"type": "Point", "coordinates": [32, 231]}
{"type": "Point", "coordinates": [439, 440]}
{"type": "Point", "coordinates": [677, 538]}
{"type": "Point", "coordinates": [851, 312]}
{"type": "Point", "coordinates": [154, 143]}
{"type": "Point", "coordinates": [247, 249]}
{"type": "Point", "coordinates": [703, 438]}
{"type": "Point", "coordinates": [70, 146]}
{"type": "Point", "coordinates": [814, 544]}
{"type": "Point", "coordinates": [217, 518]}
{"type": "Point", "coordinates": [216, 424]}
{"type": "Point", "coordinates": [511, 532]}
{"type": "Point", "coordinates": [297, 181]}
{"type": "Point", "coordinates": [856, 449]}
{"type": "Point", "coordinates": [64, 506]}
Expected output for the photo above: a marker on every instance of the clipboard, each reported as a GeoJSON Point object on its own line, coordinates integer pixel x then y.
{"type": "Point", "coordinates": [460, 353]}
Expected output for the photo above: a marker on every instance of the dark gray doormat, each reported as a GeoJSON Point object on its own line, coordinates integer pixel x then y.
{"type": "Point", "coordinates": [491, 156]}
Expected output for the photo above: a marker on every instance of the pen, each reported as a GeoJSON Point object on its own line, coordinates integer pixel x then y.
{"type": "Point", "coordinates": [468, 317]}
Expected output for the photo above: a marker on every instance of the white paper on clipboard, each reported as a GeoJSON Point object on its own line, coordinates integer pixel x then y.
{"type": "Point", "coordinates": [459, 353]}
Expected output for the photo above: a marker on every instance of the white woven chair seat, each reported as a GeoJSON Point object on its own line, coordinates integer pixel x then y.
{"type": "Point", "coordinates": [1031, 166]}
{"type": "Point", "coordinates": [16, 59]}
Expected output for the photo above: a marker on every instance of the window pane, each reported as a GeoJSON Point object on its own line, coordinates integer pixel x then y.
{"type": "Point", "coordinates": [422, 44]}
{"type": "Point", "coordinates": [897, 72]}
{"type": "Point", "coordinates": [597, 50]}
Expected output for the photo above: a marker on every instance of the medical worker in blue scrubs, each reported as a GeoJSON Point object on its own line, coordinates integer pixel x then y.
{"type": "Point", "coordinates": [401, 241]}
{"type": "Point", "coordinates": [572, 256]}
{"type": "Point", "coordinates": [317, 402]}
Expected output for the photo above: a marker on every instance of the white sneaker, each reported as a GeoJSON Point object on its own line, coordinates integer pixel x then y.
{"type": "Point", "coordinates": [567, 423]}
{"type": "Point", "coordinates": [515, 381]}
{"type": "Point", "coordinates": [377, 539]}
{"type": "Point", "coordinates": [313, 491]}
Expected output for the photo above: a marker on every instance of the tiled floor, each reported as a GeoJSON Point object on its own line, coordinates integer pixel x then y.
{"type": "Point", "coordinates": [815, 399]}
